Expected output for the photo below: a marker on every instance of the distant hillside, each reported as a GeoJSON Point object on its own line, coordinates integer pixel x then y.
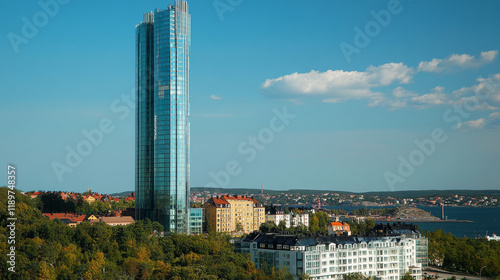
{"type": "Point", "coordinates": [122, 194]}
{"type": "Point", "coordinates": [395, 194]}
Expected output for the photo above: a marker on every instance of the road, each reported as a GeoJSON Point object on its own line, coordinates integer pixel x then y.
{"type": "Point", "coordinates": [443, 274]}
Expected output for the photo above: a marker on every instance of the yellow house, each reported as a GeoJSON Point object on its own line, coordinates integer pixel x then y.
{"type": "Point", "coordinates": [234, 213]}
{"type": "Point", "coordinates": [90, 199]}
{"type": "Point", "coordinates": [91, 218]}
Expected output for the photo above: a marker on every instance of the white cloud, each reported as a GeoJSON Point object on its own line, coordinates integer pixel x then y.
{"type": "Point", "coordinates": [383, 85]}
{"type": "Point", "coordinates": [338, 85]}
{"type": "Point", "coordinates": [400, 92]}
{"type": "Point", "coordinates": [430, 66]}
{"type": "Point", "coordinates": [492, 121]}
{"type": "Point", "coordinates": [436, 97]}
{"type": "Point", "coordinates": [215, 97]}
{"type": "Point", "coordinates": [431, 99]}
{"type": "Point", "coordinates": [462, 61]}
{"type": "Point", "coordinates": [477, 124]}
{"type": "Point", "coordinates": [487, 89]}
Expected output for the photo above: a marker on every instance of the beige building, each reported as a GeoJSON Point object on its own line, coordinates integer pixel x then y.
{"type": "Point", "coordinates": [115, 221]}
{"type": "Point", "coordinates": [228, 213]}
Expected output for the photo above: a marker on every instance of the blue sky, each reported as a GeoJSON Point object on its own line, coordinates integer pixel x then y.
{"type": "Point", "coordinates": [335, 94]}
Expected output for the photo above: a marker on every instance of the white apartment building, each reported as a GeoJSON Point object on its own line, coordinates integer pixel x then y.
{"type": "Point", "coordinates": [330, 257]}
{"type": "Point", "coordinates": [277, 214]}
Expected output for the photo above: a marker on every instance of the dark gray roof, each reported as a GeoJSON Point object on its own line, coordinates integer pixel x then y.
{"type": "Point", "coordinates": [300, 240]}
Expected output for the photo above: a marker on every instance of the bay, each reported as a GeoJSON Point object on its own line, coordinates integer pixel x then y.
{"type": "Point", "coordinates": [486, 220]}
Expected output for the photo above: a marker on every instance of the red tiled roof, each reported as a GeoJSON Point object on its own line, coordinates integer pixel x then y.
{"type": "Point", "coordinates": [238, 197]}
{"type": "Point", "coordinates": [65, 216]}
{"type": "Point", "coordinates": [219, 201]}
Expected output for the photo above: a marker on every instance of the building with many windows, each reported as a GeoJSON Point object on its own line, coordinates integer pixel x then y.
{"type": "Point", "coordinates": [383, 257]}
{"type": "Point", "coordinates": [234, 213]}
{"type": "Point", "coordinates": [277, 213]}
{"type": "Point", "coordinates": [162, 117]}
{"type": "Point", "coordinates": [195, 220]}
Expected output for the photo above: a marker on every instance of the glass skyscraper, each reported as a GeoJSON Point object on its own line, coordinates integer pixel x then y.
{"type": "Point", "coordinates": [162, 117]}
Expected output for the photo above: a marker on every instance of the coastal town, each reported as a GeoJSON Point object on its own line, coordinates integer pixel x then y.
{"type": "Point", "coordinates": [297, 232]}
{"type": "Point", "coordinates": [332, 198]}
{"type": "Point", "coordinates": [400, 207]}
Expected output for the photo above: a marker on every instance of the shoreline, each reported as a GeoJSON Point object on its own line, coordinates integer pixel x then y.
{"type": "Point", "coordinates": [422, 221]}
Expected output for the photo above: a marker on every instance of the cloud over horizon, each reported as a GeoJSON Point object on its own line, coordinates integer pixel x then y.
{"type": "Point", "coordinates": [334, 86]}
{"type": "Point", "coordinates": [337, 85]}
{"type": "Point", "coordinates": [462, 61]}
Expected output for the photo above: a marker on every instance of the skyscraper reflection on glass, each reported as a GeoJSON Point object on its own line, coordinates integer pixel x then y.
{"type": "Point", "coordinates": [162, 117]}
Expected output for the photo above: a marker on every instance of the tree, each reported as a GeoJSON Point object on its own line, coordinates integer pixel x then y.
{"type": "Point", "coordinates": [354, 276]}
{"type": "Point", "coordinates": [407, 276]}
{"type": "Point", "coordinates": [313, 224]}
{"type": "Point", "coordinates": [268, 226]}
{"type": "Point", "coordinates": [282, 226]}
{"type": "Point", "coordinates": [304, 277]}
{"type": "Point", "coordinates": [238, 227]}
{"type": "Point", "coordinates": [323, 221]}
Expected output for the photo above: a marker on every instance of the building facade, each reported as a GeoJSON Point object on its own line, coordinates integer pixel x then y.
{"type": "Point", "coordinates": [331, 257]}
{"type": "Point", "coordinates": [234, 213]}
{"type": "Point", "coordinates": [276, 214]}
{"type": "Point", "coordinates": [195, 221]}
{"type": "Point", "coordinates": [339, 228]}
{"type": "Point", "coordinates": [162, 117]}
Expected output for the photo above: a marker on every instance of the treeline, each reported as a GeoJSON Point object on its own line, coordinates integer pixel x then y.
{"type": "Point", "coordinates": [464, 254]}
{"type": "Point", "coordinates": [52, 202]}
{"type": "Point", "coordinates": [47, 249]}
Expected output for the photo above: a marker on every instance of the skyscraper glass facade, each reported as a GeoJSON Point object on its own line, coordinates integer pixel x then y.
{"type": "Point", "coordinates": [162, 124]}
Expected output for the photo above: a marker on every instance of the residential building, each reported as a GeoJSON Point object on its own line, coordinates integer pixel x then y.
{"type": "Point", "coordinates": [234, 213]}
{"type": "Point", "coordinates": [162, 117]}
{"type": "Point", "coordinates": [339, 228]}
{"type": "Point", "coordinates": [277, 213]}
{"type": "Point", "coordinates": [195, 220]}
{"type": "Point", "coordinates": [408, 231]}
{"type": "Point", "coordinates": [299, 218]}
{"type": "Point", "coordinates": [330, 257]}
{"type": "Point", "coordinates": [115, 221]}
{"type": "Point", "coordinates": [69, 219]}
{"type": "Point", "coordinates": [89, 199]}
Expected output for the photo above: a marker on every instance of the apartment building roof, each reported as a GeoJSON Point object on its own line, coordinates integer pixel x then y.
{"type": "Point", "coordinates": [313, 240]}
{"type": "Point", "coordinates": [218, 201]}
